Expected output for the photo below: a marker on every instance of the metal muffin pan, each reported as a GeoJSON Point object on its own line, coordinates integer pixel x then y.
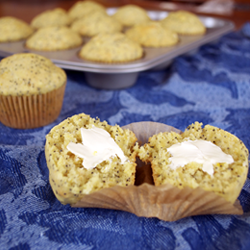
{"type": "Point", "coordinates": [123, 75]}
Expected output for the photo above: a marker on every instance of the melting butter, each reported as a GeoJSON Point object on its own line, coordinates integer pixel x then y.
{"type": "Point", "coordinates": [200, 151]}
{"type": "Point", "coordinates": [97, 146]}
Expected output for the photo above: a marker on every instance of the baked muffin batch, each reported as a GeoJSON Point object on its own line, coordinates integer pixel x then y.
{"type": "Point", "coordinates": [58, 29]}
{"type": "Point", "coordinates": [33, 96]}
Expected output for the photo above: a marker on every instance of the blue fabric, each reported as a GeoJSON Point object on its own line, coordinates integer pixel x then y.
{"type": "Point", "coordinates": [211, 86]}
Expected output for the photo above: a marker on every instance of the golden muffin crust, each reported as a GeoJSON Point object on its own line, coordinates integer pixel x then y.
{"type": "Point", "coordinates": [29, 74]}
{"type": "Point", "coordinates": [152, 34]}
{"type": "Point", "coordinates": [96, 23]}
{"type": "Point", "coordinates": [184, 23]}
{"type": "Point", "coordinates": [111, 48]}
{"type": "Point", "coordinates": [48, 18]}
{"type": "Point", "coordinates": [82, 8]}
{"type": "Point", "coordinates": [69, 180]}
{"type": "Point", "coordinates": [130, 14]}
{"type": "Point", "coordinates": [13, 29]}
{"type": "Point", "coordinates": [227, 179]}
{"type": "Point", "coordinates": [54, 38]}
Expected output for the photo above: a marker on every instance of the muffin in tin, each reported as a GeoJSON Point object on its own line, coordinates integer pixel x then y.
{"type": "Point", "coordinates": [96, 23]}
{"type": "Point", "coordinates": [82, 8]}
{"type": "Point", "coordinates": [31, 91]}
{"type": "Point", "coordinates": [152, 34]}
{"type": "Point", "coordinates": [184, 23]}
{"type": "Point", "coordinates": [130, 14]}
{"type": "Point", "coordinates": [111, 48]}
{"type": "Point", "coordinates": [48, 18]}
{"type": "Point", "coordinates": [53, 39]}
{"type": "Point", "coordinates": [13, 29]}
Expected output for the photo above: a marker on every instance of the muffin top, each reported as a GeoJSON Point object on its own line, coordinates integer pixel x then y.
{"type": "Point", "coordinates": [96, 23]}
{"type": "Point", "coordinates": [54, 38]}
{"type": "Point", "coordinates": [184, 22]}
{"type": "Point", "coordinates": [152, 34]}
{"type": "Point", "coordinates": [13, 29]}
{"type": "Point", "coordinates": [82, 8]}
{"type": "Point", "coordinates": [130, 14]}
{"type": "Point", "coordinates": [55, 17]}
{"type": "Point", "coordinates": [111, 48]}
{"type": "Point", "coordinates": [29, 74]}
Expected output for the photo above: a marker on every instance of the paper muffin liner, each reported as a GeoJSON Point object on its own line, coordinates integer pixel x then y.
{"type": "Point", "coordinates": [33, 111]}
{"type": "Point", "coordinates": [165, 202]}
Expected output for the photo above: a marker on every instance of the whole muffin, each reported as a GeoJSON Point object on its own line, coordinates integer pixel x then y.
{"type": "Point", "coordinates": [31, 91]}
{"type": "Point", "coordinates": [152, 34]}
{"type": "Point", "coordinates": [82, 8]}
{"type": "Point", "coordinates": [184, 23]}
{"type": "Point", "coordinates": [95, 23]}
{"type": "Point", "coordinates": [13, 29]}
{"type": "Point", "coordinates": [71, 176]}
{"type": "Point", "coordinates": [130, 14]}
{"type": "Point", "coordinates": [48, 18]}
{"type": "Point", "coordinates": [54, 38]}
{"type": "Point", "coordinates": [111, 48]}
{"type": "Point", "coordinates": [209, 158]}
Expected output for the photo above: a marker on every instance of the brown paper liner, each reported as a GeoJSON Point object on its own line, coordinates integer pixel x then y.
{"type": "Point", "coordinates": [33, 111]}
{"type": "Point", "coordinates": [165, 202]}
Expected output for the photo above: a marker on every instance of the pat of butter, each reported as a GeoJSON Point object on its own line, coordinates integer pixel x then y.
{"type": "Point", "coordinates": [97, 146]}
{"type": "Point", "coordinates": [200, 151]}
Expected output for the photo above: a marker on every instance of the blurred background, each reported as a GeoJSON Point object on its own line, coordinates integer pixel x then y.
{"type": "Point", "coordinates": [236, 10]}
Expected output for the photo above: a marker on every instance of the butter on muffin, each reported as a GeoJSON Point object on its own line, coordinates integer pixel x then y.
{"type": "Point", "coordinates": [96, 23]}
{"type": "Point", "coordinates": [31, 90]}
{"type": "Point", "coordinates": [131, 14]}
{"type": "Point", "coordinates": [79, 160]}
{"type": "Point", "coordinates": [13, 29]}
{"type": "Point", "coordinates": [152, 34]}
{"type": "Point", "coordinates": [48, 18]}
{"type": "Point", "coordinates": [82, 8]}
{"type": "Point", "coordinates": [54, 38]}
{"type": "Point", "coordinates": [111, 48]}
{"type": "Point", "coordinates": [184, 23]}
{"type": "Point", "coordinates": [209, 158]}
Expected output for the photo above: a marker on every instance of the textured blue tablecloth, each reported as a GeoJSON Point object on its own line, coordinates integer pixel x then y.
{"type": "Point", "coordinates": [211, 86]}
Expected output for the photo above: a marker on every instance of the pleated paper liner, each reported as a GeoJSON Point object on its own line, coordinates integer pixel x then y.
{"type": "Point", "coordinates": [33, 111]}
{"type": "Point", "coordinates": [165, 202]}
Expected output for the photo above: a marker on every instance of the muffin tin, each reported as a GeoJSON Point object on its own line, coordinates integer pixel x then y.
{"type": "Point", "coordinates": [124, 75]}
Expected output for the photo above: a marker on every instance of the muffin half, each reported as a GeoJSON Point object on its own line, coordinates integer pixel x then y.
{"type": "Point", "coordinates": [219, 163]}
{"type": "Point", "coordinates": [74, 175]}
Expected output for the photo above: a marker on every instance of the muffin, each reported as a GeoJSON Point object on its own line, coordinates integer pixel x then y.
{"type": "Point", "coordinates": [72, 176]}
{"type": "Point", "coordinates": [152, 34]}
{"type": "Point", "coordinates": [48, 18]}
{"type": "Point", "coordinates": [209, 158]}
{"type": "Point", "coordinates": [111, 48]}
{"type": "Point", "coordinates": [96, 23]}
{"type": "Point", "coordinates": [184, 23]}
{"type": "Point", "coordinates": [31, 91]}
{"type": "Point", "coordinates": [13, 29]}
{"type": "Point", "coordinates": [129, 15]}
{"type": "Point", "coordinates": [82, 8]}
{"type": "Point", "coordinates": [54, 38]}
